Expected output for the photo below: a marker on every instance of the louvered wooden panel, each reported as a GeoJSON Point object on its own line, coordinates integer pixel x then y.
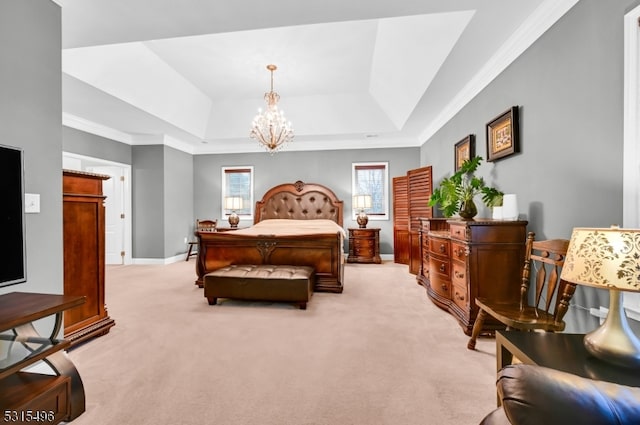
{"type": "Point", "coordinates": [419, 188]}
{"type": "Point", "coordinates": [400, 220]}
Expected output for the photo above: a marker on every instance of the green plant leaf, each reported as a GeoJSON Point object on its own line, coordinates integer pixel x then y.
{"type": "Point", "coordinates": [461, 186]}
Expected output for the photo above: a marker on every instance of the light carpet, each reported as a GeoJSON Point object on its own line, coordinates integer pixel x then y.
{"type": "Point", "coordinates": [380, 353]}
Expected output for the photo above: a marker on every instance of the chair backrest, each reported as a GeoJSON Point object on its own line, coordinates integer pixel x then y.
{"type": "Point", "coordinates": [206, 225]}
{"type": "Point", "coordinates": [546, 258]}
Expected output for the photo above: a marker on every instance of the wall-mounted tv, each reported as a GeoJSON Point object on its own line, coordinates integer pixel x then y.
{"type": "Point", "coordinates": [13, 264]}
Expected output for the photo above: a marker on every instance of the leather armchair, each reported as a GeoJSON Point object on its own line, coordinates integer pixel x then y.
{"type": "Point", "coordinates": [537, 395]}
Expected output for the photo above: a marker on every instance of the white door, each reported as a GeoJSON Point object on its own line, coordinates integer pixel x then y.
{"type": "Point", "coordinates": [115, 225]}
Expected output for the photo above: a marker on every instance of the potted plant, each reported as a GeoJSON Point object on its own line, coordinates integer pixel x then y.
{"type": "Point", "coordinates": [456, 193]}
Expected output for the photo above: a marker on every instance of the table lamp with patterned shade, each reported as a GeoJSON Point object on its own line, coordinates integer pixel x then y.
{"type": "Point", "coordinates": [362, 202]}
{"type": "Point", "coordinates": [608, 259]}
{"type": "Point", "coordinates": [233, 203]}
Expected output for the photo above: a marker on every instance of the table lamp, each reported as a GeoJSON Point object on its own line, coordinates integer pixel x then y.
{"type": "Point", "coordinates": [233, 203]}
{"type": "Point", "coordinates": [609, 259]}
{"type": "Point", "coordinates": [362, 202]}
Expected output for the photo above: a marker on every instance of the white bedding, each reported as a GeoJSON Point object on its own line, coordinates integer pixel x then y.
{"type": "Point", "coordinates": [286, 227]}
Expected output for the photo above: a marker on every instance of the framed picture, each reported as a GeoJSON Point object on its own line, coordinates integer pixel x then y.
{"type": "Point", "coordinates": [465, 149]}
{"type": "Point", "coordinates": [502, 135]}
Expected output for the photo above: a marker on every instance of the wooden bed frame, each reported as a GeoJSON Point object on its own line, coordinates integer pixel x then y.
{"type": "Point", "coordinates": [297, 201]}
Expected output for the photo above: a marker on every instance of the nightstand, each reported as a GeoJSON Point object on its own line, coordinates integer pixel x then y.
{"type": "Point", "coordinates": [364, 246]}
{"type": "Point", "coordinates": [227, 229]}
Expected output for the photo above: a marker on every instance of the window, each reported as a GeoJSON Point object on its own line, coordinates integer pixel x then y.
{"type": "Point", "coordinates": [372, 178]}
{"type": "Point", "coordinates": [237, 182]}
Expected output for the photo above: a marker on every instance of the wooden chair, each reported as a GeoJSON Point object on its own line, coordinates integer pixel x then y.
{"type": "Point", "coordinates": [551, 295]}
{"type": "Point", "coordinates": [201, 226]}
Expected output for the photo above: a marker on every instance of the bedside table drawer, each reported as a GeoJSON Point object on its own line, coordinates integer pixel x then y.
{"type": "Point", "coordinates": [364, 249]}
{"type": "Point", "coordinates": [361, 233]}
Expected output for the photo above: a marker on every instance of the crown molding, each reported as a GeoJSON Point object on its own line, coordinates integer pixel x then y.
{"type": "Point", "coordinates": [87, 126]}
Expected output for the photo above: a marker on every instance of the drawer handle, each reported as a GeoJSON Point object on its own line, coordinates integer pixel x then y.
{"type": "Point", "coordinates": [458, 252]}
{"type": "Point", "coordinates": [441, 247]}
{"type": "Point", "coordinates": [442, 268]}
{"type": "Point", "coordinates": [460, 297]}
{"type": "Point", "coordinates": [457, 232]}
{"type": "Point", "coordinates": [458, 274]}
{"type": "Point", "coordinates": [444, 287]}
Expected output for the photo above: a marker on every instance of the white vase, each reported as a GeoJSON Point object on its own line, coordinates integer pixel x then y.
{"type": "Point", "coordinates": [497, 213]}
{"type": "Point", "coordinates": [510, 207]}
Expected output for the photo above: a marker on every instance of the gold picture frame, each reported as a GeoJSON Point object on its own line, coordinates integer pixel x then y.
{"type": "Point", "coordinates": [502, 135]}
{"type": "Point", "coordinates": [464, 150]}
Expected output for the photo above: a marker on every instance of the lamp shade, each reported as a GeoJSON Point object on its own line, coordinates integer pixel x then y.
{"type": "Point", "coordinates": [605, 258]}
{"type": "Point", "coordinates": [361, 202]}
{"type": "Point", "coordinates": [233, 203]}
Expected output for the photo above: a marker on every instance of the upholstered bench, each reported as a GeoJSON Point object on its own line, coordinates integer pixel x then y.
{"type": "Point", "coordinates": [261, 283]}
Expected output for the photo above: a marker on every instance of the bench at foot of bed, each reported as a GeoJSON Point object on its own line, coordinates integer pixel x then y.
{"type": "Point", "coordinates": [264, 282]}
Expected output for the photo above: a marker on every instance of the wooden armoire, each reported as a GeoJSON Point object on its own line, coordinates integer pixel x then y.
{"type": "Point", "coordinates": [411, 195]}
{"type": "Point", "coordinates": [84, 254]}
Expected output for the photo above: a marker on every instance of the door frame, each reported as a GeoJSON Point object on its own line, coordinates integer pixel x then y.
{"type": "Point", "coordinates": [631, 136]}
{"type": "Point", "coordinates": [82, 162]}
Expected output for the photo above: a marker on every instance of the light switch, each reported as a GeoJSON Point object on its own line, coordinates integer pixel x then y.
{"type": "Point", "coordinates": [31, 203]}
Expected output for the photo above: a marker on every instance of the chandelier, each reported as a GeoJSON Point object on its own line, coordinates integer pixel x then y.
{"type": "Point", "coordinates": [270, 127]}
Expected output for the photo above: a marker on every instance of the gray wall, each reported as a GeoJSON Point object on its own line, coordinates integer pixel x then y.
{"type": "Point", "coordinates": [162, 198]}
{"type": "Point", "coordinates": [147, 193]}
{"type": "Point", "coordinates": [87, 144]}
{"type": "Point", "coordinates": [569, 86]}
{"type": "Point", "coordinates": [330, 168]}
{"type": "Point", "coordinates": [178, 201]}
{"type": "Point", "coordinates": [30, 113]}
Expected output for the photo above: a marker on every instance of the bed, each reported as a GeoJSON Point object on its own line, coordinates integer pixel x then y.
{"type": "Point", "coordinates": [298, 224]}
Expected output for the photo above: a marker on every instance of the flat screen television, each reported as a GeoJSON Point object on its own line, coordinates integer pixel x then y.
{"type": "Point", "coordinates": [13, 264]}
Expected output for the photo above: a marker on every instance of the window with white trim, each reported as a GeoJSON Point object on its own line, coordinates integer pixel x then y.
{"type": "Point", "coordinates": [237, 182]}
{"type": "Point", "coordinates": [372, 178]}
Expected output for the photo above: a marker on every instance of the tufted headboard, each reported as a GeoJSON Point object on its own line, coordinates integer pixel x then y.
{"type": "Point", "coordinates": [299, 201]}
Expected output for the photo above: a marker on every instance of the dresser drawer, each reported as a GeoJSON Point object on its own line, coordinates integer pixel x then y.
{"type": "Point", "coordinates": [460, 296]}
{"type": "Point", "coordinates": [458, 231]}
{"type": "Point", "coordinates": [459, 274]}
{"type": "Point", "coordinates": [458, 251]}
{"type": "Point", "coordinates": [439, 246]}
{"type": "Point", "coordinates": [440, 267]}
{"type": "Point", "coordinates": [440, 285]}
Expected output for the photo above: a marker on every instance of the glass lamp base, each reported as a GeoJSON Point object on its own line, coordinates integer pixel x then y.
{"type": "Point", "coordinates": [614, 341]}
{"type": "Point", "coordinates": [362, 219]}
{"type": "Point", "coordinates": [234, 220]}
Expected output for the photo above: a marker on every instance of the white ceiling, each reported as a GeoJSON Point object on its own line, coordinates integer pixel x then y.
{"type": "Point", "coordinates": [351, 73]}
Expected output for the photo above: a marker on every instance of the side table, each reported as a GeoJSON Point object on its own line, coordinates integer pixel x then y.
{"type": "Point", "coordinates": [33, 397]}
{"type": "Point", "coordinates": [364, 246]}
{"type": "Point", "coordinates": [561, 351]}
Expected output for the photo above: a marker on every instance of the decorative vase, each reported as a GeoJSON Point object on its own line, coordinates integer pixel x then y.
{"type": "Point", "coordinates": [468, 209]}
{"type": "Point", "coordinates": [497, 213]}
{"type": "Point", "coordinates": [510, 207]}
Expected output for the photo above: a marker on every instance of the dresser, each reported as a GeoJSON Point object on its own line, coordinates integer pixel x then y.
{"type": "Point", "coordinates": [84, 255]}
{"type": "Point", "coordinates": [364, 246]}
{"type": "Point", "coordinates": [466, 259]}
